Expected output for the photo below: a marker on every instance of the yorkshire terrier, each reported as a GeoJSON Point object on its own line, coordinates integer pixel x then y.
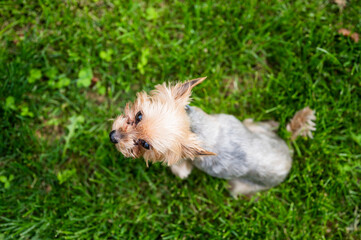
{"type": "Point", "coordinates": [162, 127]}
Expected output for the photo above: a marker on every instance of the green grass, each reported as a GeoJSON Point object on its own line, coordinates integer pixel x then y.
{"type": "Point", "coordinates": [60, 177]}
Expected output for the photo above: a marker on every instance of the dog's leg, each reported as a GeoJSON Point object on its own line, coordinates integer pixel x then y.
{"type": "Point", "coordinates": [182, 169]}
{"type": "Point", "coordinates": [261, 127]}
{"type": "Point", "coordinates": [238, 187]}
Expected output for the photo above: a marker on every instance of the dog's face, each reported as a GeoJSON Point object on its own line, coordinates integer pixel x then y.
{"type": "Point", "coordinates": [157, 127]}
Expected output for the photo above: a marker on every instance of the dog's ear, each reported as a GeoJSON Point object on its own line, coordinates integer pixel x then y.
{"type": "Point", "coordinates": [193, 150]}
{"type": "Point", "coordinates": [183, 90]}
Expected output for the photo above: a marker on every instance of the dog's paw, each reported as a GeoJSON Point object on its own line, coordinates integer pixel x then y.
{"type": "Point", "coordinates": [182, 170]}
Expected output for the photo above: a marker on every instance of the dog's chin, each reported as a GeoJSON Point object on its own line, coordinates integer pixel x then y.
{"type": "Point", "coordinates": [126, 153]}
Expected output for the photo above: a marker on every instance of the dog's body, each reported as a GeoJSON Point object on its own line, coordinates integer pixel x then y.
{"type": "Point", "coordinates": [248, 154]}
{"type": "Point", "coordinates": [162, 127]}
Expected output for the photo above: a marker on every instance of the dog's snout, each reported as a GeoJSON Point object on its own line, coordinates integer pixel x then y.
{"type": "Point", "coordinates": [112, 137]}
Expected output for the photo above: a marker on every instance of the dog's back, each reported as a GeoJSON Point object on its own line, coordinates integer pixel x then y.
{"type": "Point", "coordinates": [254, 155]}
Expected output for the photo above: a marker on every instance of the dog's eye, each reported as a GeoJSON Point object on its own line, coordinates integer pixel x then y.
{"type": "Point", "coordinates": [144, 144]}
{"type": "Point", "coordinates": [138, 117]}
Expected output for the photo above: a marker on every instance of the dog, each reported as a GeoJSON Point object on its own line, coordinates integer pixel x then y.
{"type": "Point", "coordinates": [162, 127]}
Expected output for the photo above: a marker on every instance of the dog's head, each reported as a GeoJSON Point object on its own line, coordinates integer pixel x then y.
{"type": "Point", "coordinates": [157, 127]}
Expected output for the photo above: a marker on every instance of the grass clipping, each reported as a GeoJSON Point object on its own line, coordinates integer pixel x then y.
{"type": "Point", "coordinates": [302, 123]}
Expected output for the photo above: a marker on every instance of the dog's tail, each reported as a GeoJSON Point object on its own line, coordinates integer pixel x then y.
{"type": "Point", "coordinates": [302, 123]}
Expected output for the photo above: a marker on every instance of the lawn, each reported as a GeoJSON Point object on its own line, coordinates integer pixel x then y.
{"type": "Point", "coordinates": [68, 67]}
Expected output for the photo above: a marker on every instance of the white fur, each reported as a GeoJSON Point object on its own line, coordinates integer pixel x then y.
{"type": "Point", "coordinates": [182, 169]}
{"type": "Point", "coordinates": [245, 188]}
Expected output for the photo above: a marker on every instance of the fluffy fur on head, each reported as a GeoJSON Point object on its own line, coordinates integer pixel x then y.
{"type": "Point", "coordinates": [164, 125]}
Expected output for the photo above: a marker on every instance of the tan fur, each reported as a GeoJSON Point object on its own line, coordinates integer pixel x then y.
{"type": "Point", "coordinates": [165, 125]}
{"type": "Point", "coordinates": [302, 123]}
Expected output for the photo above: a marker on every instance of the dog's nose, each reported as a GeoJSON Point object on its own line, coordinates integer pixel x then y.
{"type": "Point", "coordinates": [112, 137]}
